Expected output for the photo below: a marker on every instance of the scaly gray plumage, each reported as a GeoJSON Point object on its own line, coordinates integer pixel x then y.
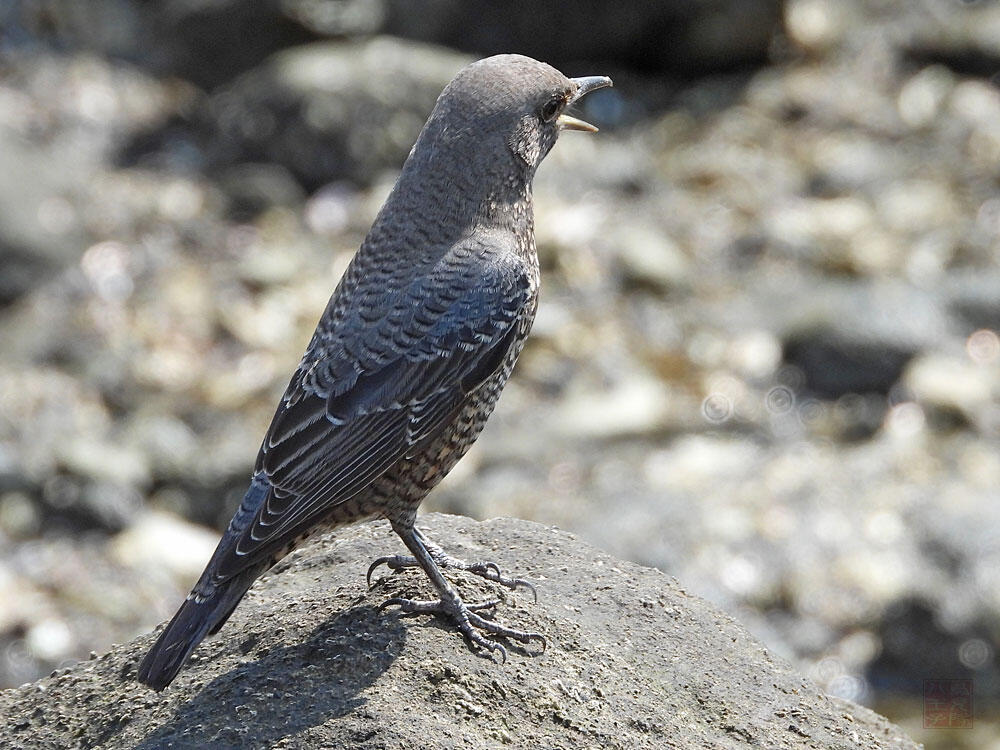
{"type": "Point", "coordinates": [409, 357]}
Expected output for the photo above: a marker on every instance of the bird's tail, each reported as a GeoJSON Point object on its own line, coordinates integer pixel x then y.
{"type": "Point", "coordinates": [196, 618]}
{"type": "Point", "coordinates": [207, 607]}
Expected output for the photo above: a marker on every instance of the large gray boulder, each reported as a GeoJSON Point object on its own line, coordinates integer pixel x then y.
{"type": "Point", "coordinates": [308, 660]}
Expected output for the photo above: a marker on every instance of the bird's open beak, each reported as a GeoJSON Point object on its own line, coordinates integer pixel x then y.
{"type": "Point", "coordinates": [583, 87]}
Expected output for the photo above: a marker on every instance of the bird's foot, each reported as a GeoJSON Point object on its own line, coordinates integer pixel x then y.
{"type": "Point", "coordinates": [469, 623]}
{"type": "Point", "coordinates": [484, 569]}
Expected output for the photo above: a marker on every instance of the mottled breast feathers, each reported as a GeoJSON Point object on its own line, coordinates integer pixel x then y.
{"type": "Point", "coordinates": [374, 387]}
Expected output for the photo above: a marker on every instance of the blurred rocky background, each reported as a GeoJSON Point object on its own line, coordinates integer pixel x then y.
{"type": "Point", "coordinates": [766, 360]}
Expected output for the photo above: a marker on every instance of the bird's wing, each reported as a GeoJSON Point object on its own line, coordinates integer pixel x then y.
{"type": "Point", "coordinates": [375, 390]}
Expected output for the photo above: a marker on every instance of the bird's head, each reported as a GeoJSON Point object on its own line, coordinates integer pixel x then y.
{"type": "Point", "coordinates": [509, 99]}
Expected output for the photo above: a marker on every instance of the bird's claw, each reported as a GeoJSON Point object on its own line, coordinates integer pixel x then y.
{"type": "Point", "coordinates": [488, 569]}
{"type": "Point", "coordinates": [416, 606]}
{"type": "Point", "coordinates": [469, 623]}
{"type": "Point", "coordinates": [395, 563]}
{"type": "Point", "coordinates": [491, 572]}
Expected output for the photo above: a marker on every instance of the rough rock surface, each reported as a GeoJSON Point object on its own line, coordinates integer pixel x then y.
{"type": "Point", "coordinates": [309, 660]}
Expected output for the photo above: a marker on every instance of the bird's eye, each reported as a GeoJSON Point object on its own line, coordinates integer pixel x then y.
{"type": "Point", "coordinates": [550, 109]}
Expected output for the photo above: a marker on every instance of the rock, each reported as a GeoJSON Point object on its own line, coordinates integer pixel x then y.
{"type": "Point", "coordinates": [959, 384]}
{"type": "Point", "coordinates": [639, 405]}
{"type": "Point", "coordinates": [309, 660]}
{"type": "Point", "coordinates": [834, 366]}
{"type": "Point", "coordinates": [715, 35]}
{"type": "Point", "coordinates": [817, 25]}
{"type": "Point", "coordinates": [254, 188]}
{"type": "Point", "coordinates": [300, 109]}
{"type": "Point", "coordinates": [650, 258]}
{"type": "Point", "coordinates": [974, 299]}
{"type": "Point", "coordinates": [163, 540]}
{"type": "Point", "coordinates": [210, 42]}
{"type": "Point", "coordinates": [206, 41]}
{"type": "Point", "coordinates": [22, 271]}
{"type": "Point", "coordinates": [104, 460]}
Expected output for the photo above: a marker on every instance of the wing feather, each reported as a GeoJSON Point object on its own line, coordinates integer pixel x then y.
{"type": "Point", "coordinates": [370, 393]}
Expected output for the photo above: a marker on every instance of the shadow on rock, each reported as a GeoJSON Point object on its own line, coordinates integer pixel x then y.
{"type": "Point", "coordinates": [290, 688]}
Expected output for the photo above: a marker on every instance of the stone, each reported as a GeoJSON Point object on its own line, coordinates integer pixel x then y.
{"type": "Point", "coordinates": [162, 540]}
{"type": "Point", "coordinates": [310, 660]}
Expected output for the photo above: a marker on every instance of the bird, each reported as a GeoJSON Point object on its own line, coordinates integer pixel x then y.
{"type": "Point", "coordinates": [408, 359]}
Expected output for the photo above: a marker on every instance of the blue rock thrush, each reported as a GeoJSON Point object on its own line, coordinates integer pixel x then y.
{"type": "Point", "coordinates": [409, 356]}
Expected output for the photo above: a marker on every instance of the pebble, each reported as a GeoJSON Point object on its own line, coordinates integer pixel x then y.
{"type": "Point", "coordinates": [161, 540]}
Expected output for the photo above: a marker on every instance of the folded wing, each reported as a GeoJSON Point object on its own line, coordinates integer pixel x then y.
{"type": "Point", "coordinates": [375, 388]}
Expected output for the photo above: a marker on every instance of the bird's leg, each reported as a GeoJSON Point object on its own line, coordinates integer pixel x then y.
{"type": "Point", "coordinates": [451, 604]}
{"type": "Point", "coordinates": [488, 570]}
